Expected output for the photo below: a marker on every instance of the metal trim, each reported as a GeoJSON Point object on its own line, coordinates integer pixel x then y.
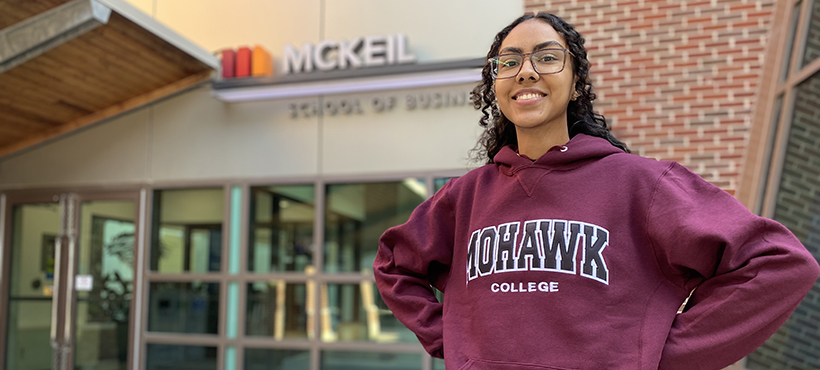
{"type": "Point", "coordinates": [800, 39]}
{"type": "Point", "coordinates": [349, 85]}
{"type": "Point", "coordinates": [3, 280]}
{"type": "Point", "coordinates": [155, 277]}
{"type": "Point", "coordinates": [392, 70]}
{"type": "Point", "coordinates": [761, 182]}
{"type": "Point", "coordinates": [34, 36]}
{"type": "Point", "coordinates": [318, 262]}
{"type": "Point", "coordinates": [71, 228]}
{"type": "Point", "coordinates": [143, 311]}
{"type": "Point", "coordinates": [138, 283]}
{"type": "Point", "coordinates": [183, 339]}
{"type": "Point", "coordinates": [56, 291]}
{"type": "Point", "coordinates": [5, 284]}
{"type": "Point", "coordinates": [16, 190]}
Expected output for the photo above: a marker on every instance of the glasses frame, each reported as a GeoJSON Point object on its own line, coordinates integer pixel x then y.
{"type": "Point", "coordinates": [494, 60]}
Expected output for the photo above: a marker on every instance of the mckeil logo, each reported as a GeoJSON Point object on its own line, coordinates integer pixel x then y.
{"type": "Point", "coordinates": [328, 55]}
{"type": "Point", "coordinates": [246, 62]}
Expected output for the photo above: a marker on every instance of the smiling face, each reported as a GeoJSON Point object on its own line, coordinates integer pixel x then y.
{"type": "Point", "coordinates": [531, 100]}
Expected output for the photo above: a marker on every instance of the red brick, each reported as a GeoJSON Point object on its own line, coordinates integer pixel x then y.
{"type": "Point", "coordinates": [697, 20]}
{"type": "Point", "coordinates": [739, 7]}
{"type": "Point", "coordinates": [662, 30]}
{"type": "Point", "coordinates": [655, 16]}
{"type": "Point", "coordinates": [695, 4]}
{"type": "Point", "coordinates": [715, 26]}
{"type": "Point", "coordinates": [641, 25]}
{"type": "Point", "coordinates": [745, 24]}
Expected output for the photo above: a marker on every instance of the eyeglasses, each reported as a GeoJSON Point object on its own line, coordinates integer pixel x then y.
{"type": "Point", "coordinates": [545, 61]}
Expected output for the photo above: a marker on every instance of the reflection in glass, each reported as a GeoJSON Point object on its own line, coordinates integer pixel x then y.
{"type": "Point", "coordinates": [34, 230]}
{"type": "Point", "coordinates": [440, 182]}
{"type": "Point", "coordinates": [276, 359]}
{"type": "Point", "coordinates": [356, 215]}
{"type": "Point", "coordinates": [184, 308]}
{"type": "Point", "coordinates": [281, 235]}
{"type": "Point", "coordinates": [438, 364]}
{"type": "Point", "coordinates": [812, 48]}
{"type": "Point", "coordinates": [356, 312]}
{"type": "Point", "coordinates": [276, 309]}
{"type": "Point", "coordinates": [187, 230]}
{"type": "Point", "coordinates": [28, 337]}
{"type": "Point", "coordinates": [168, 357]}
{"type": "Point", "coordinates": [787, 60]}
{"type": "Point", "coordinates": [797, 207]}
{"type": "Point", "coordinates": [342, 360]}
{"type": "Point", "coordinates": [106, 254]}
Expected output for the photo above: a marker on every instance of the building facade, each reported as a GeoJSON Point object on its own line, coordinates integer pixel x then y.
{"type": "Point", "coordinates": [234, 225]}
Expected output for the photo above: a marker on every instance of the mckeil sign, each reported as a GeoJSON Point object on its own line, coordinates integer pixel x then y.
{"type": "Point", "coordinates": [328, 55]}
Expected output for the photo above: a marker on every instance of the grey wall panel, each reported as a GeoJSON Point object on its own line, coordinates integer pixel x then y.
{"type": "Point", "coordinates": [108, 152]}
{"type": "Point", "coordinates": [197, 137]}
{"type": "Point", "coordinates": [435, 137]}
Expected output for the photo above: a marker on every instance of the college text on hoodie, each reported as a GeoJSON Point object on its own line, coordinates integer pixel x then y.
{"type": "Point", "coordinates": [581, 259]}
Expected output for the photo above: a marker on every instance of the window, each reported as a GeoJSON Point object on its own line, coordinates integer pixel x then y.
{"type": "Point", "coordinates": [356, 215]}
{"type": "Point", "coordinates": [281, 222]}
{"type": "Point", "coordinates": [305, 292]}
{"type": "Point", "coordinates": [792, 172]}
{"type": "Point", "coordinates": [187, 231]}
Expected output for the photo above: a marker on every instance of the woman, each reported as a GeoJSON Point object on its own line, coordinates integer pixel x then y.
{"type": "Point", "coordinates": [566, 252]}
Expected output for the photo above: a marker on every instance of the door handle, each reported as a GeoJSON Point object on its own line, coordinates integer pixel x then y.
{"type": "Point", "coordinates": [57, 349]}
{"type": "Point", "coordinates": [55, 289]}
{"type": "Point", "coordinates": [71, 235]}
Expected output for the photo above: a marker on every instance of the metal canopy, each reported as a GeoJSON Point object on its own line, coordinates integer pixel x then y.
{"type": "Point", "coordinates": [65, 65]}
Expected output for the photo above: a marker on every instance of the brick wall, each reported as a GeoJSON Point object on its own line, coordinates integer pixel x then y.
{"type": "Point", "coordinates": [676, 79]}
{"type": "Point", "coordinates": [796, 346]}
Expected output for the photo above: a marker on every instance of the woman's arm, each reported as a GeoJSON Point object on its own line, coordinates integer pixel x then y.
{"type": "Point", "coordinates": [411, 257]}
{"type": "Point", "coordinates": [749, 273]}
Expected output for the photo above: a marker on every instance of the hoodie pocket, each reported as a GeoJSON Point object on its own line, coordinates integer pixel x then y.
{"type": "Point", "coordinates": [475, 364]}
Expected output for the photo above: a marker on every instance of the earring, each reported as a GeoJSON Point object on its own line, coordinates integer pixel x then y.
{"type": "Point", "coordinates": [574, 96]}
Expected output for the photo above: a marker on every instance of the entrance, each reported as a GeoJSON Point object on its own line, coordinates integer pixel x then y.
{"type": "Point", "coordinates": [68, 263]}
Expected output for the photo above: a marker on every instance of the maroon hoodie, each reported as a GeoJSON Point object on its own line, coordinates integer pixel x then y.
{"type": "Point", "coordinates": [581, 259]}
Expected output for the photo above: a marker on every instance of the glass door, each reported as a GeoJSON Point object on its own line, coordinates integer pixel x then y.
{"type": "Point", "coordinates": [34, 269]}
{"type": "Point", "coordinates": [104, 283]}
{"type": "Point", "coordinates": [70, 267]}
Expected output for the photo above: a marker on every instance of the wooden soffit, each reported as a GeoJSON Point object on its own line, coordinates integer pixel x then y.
{"type": "Point", "coordinates": [65, 65]}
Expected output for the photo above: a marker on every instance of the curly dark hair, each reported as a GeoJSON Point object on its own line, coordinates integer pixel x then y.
{"type": "Point", "coordinates": [499, 131]}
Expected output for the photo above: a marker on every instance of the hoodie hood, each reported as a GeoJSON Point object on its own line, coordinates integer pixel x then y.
{"type": "Point", "coordinates": [577, 151]}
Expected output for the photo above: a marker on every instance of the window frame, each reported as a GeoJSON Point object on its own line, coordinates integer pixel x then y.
{"type": "Point", "coordinates": [225, 277]}
{"type": "Point", "coordinates": [769, 132]}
